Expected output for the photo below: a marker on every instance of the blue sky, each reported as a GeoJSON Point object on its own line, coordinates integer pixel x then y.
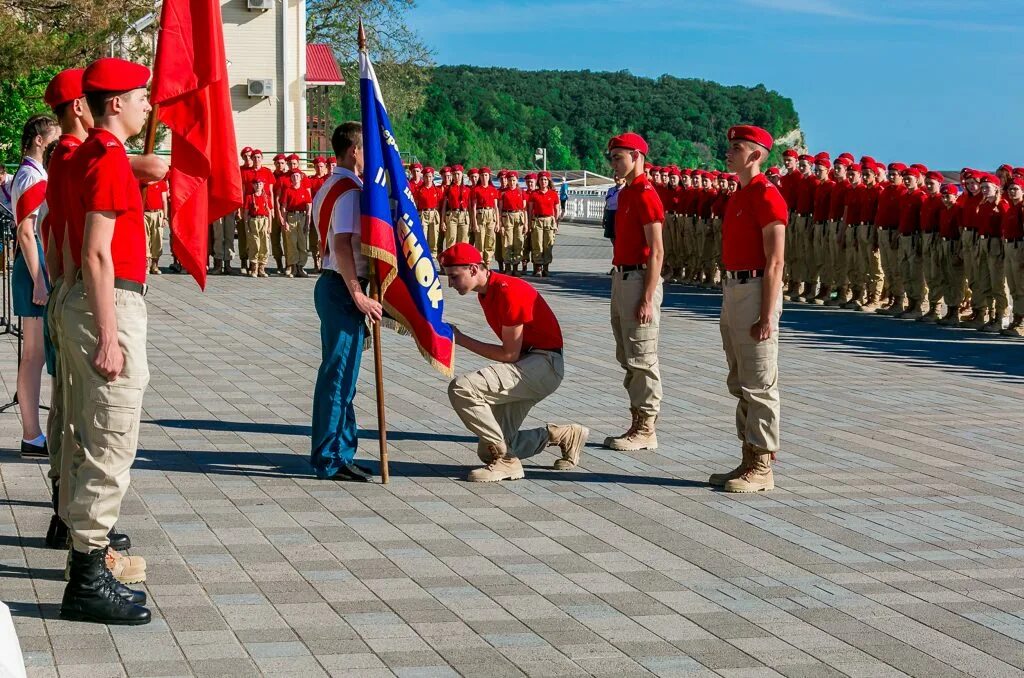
{"type": "Point", "coordinates": [932, 81]}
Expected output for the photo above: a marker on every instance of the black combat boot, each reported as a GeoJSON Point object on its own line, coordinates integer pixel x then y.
{"type": "Point", "coordinates": [57, 534]}
{"type": "Point", "coordinates": [90, 597]}
{"type": "Point", "coordinates": [118, 541]}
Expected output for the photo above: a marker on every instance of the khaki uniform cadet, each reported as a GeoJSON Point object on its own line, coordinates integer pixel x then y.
{"type": "Point", "coordinates": [866, 271]}
{"type": "Point", "coordinates": [671, 199]}
{"type": "Point", "coordinates": [967, 206]}
{"type": "Point", "coordinates": [455, 209]}
{"type": "Point", "coordinates": [494, 402]}
{"type": "Point", "coordinates": [846, 247]}
{"type": "Point", "coordinates": [315, 182]}
{"type": "Point", "coordinates": [544, 211]}
{"type": "Point", "coordinates": [154, 204]}
{"type": "Point", "coordinates": [685, 203]}
{"type": "Point", "coordinates": [787, 185]}
{"type": "Point", "coordinates": [513, 222]}
{"type": "Point", "coordinates": [988, 290]}
{"type": "Point", "coordinates": [803, 231]}
{"type": "Point", "coordinates": [225, 228]}
{"type": "Point", "coordinates": [908, 258]}
{"type": "Point", "coordinates": [64, 97]}
{"type": "Point", "coordinates": [297, 204]}
{"type": "Point", "coordinates": [703, 230]}
{"type": "Point", "coordinates": [717, 212]}
{"type": "Point", "coordinates": [484, 214]}
{"type": "Point", "coordinates": [818, 250]}
{"type": "Point", "coordinates": [282, 179]}
{"type": "Point", "coordinates": [257, 212]}
{"type": "Point", "coordinates": [752, 252]}
{"type": "Point", "coordinates": [835, 273]}
{"type": "Point", "coordinates": [1012, 230]}
{"type": "Point", "coordinates": [105, 326]}
{"type": "Point", "coordinates": [428, 199]}
{"type": "Point", "coordinates": [931, 245]}
{"type": "Point", "coordinates": [951, 259]}
{"type": "Point", "coordinates": [531, 188]}
{"type": "Point", "coordinates": [473, 181]}
{"type": "Point", "coordinates": [637, 291]}
{"type": "Point", "coordinates": [887, 219]}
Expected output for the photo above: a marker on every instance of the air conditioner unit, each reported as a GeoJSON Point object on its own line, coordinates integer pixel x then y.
{"type": "Point", "coordinates": [260, 4]}
{"type": "Point", "coordinates": [261, 87]}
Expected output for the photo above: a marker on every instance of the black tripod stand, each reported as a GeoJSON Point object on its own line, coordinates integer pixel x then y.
{"type": "Point", "coordinates": [10, 324]}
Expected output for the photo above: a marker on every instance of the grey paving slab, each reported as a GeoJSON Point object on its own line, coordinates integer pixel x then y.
{"type": "Point", "coordinates": [892, 546]}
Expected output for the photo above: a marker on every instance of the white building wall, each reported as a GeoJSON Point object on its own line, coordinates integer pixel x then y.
{"type": "Point", "coordinates": [255, 43]}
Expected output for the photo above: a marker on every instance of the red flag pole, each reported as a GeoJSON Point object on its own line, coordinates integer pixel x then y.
{"type": "Point", "coordinates": [378, 360]}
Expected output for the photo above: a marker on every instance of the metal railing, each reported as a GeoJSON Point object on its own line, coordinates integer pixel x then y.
{"type": "Point", "coordinates": [585, 205]}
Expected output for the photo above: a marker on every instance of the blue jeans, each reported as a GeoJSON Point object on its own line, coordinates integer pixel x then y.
{"type": "Point", "coordinates": [342, 328]}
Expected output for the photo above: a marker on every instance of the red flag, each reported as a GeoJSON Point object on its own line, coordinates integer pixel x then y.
{"type": "Point", "coordinates": [190, 84]}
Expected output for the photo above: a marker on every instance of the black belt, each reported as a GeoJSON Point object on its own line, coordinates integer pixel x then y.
{"type": "Point", "coordinates": [131, 286]}
{"type": "Point", "coordinates": [459, 209]}
{"type": "Point", "coordinates": [955, 239]}
{"type": "Point", "coordinates": [1011, 241]}
{"type": "Point", "coordinates": [296, 211]}
{"type": "Point", "coordinates": [543, 350]}
{"type": "Point", "coordinates": [888, 228]}
{"type": "Point", "coordinates": [328, 272]}
{"type": "Point", "coordinates": [631, 267]}
{"type": "Point", "coordinates": [745, 275]}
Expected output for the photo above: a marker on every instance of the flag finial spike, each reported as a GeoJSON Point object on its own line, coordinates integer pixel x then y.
{"type": "Point", "coordinates": [362, 36]}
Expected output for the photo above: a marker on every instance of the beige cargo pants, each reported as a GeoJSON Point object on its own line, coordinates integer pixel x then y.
{"type": "Point", "coordinates": [486, 221]}
{"type": "Point", "coordinates": [258, 239]}
{"type": "Point", "coordinates": [105, 417]}
{"type": "Point", "coordinates": [55, 420]}
{"type": "Point", "coordinates": [753, 366]}
{"type": "Point", "coordinates": [636, 345]}
{"type": "Point", "coordinates": [154, 221]}
{"type": "Point", "coordinates": [431, 221]}
{"type": "Point", "coordinates": [224, 238]}
{"type": "Point", "coordinates": [542, 234]}
{"type": "Point", "coordinates": [513, 230]}
{"type": "Point", "coordinates": [456, 227]}
{"type": "Point", "coordinates": [493, 402]}
{"type": "Point", "coordinates": [297, 239]}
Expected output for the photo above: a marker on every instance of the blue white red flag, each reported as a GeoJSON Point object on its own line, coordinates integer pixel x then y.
{"type": "Point", "coordinates": [392, 234]}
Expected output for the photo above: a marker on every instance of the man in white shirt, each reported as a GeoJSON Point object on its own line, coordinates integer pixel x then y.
{"type": "Point", "coordinates": [342, 305]}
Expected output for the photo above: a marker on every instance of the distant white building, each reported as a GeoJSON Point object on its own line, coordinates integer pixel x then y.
{"type": "Point", "coordinates": [273, 73]}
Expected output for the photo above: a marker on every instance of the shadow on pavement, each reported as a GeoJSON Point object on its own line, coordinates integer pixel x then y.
{"type": "Point", "coordinates": [965, 352]}
{"type": "Point", "coordinates": [298, 430]}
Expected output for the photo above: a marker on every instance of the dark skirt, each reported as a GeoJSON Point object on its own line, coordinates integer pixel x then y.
{"type": "Point", "coordinates": [22, 287]}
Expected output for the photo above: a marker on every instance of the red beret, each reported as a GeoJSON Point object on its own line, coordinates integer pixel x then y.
{"type": "Point", "coordinates": [1004, 167]}
{"type": "Point", "coordinates": [458, 168]}
{"type": "Point", "coordinates": [987, 178]}
{"type": "Point", "coordinates": [911, 172]}
{"type": "Point", "coordinates": [750, 133]}
{"type": "Point", "coordinates": [446, 169]}
{"type": "Point", "coordinates": [897, 167]}
{"type": "Point", "coordinates": [514, 174]}
{"type": "Point", "coordinates": [790, 153]}
{"type": "Point", "coordinates": [823, 155]}
{"type": "Point", "coordinates": [531, 176]}
{"type": "Point", "coordinates": [866, 160]}
{"type": "Point", "coordinates": [844, 160]}
{"type": "Point", "coordinates": [415, 165]}
{"type": "Point", "coordinates": [461, 254]}
{"type": "Point", "coordinates": [822, 160]}
{"type": "Point", "coordinates": [293, 156]}
{"type": "Point", "coordinates": [923, 169]}
{"type": "Point", "coordinates": [485, 170]}
{"type": "Point", "coordinates": [114, 75]}
{"type": "Point", "coordinates": [855, 167]}
{"type": "Point", "coordinates": [545, 174]}
{"type": "Point", "coordinates": [429, 170]}
{"type": "Point", "coordinates": [64, 87]}
{"type": "Point", "coordinates": [772, 171]}
{"type": "Point", "coordinates": [279, 156]}
{"type": "Point", "coordinates": [628, 140]}
{"type": "Point", "coordinates": [246, 151]}
{"type": "Point", "coordinates": [949, 189]}
{"type": "Point", "coordinates": [934, 176]}
{"type": "Point", "coordinates": [968, 173]}
{"type": "Point", "coordinates": [256, 152]}
{"type": "Point", "coordinates": [674, 171]}
{"type": "Point", "coordinates": [808, 158]}
{"type": "Point", "coordinates": [1017, 181]}
{"type": "Point", "coordinates": [320, 160]}
{"type": "Point", "coordinates": [846, 156]}
{"type": "Point", "coordinates": [1018, 171]}
{"type": "Point", "coordinates": [473, 170]}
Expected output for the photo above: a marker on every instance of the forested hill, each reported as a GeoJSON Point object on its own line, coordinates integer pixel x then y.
{"type": "Point", "coordinates": [498, 116]}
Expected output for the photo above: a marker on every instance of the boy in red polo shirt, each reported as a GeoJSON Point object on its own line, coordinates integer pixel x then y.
{"type": "Point", "coordinates": [428, 199]}
{"type": "Point", "coordinates": [257, 212]}
{"type": "Point", "coordinates": [753, 251]}
{"type": "Point", "coordinates": [544, 211]}
{"type": "Point", "coordinates": [1012, 231]}
{"type": "Point", "coordinates": [105, 324]}
{"type": "Point", "coordinates": [297, 205]}
{"type": "Point", "coordinates": [638, 255]}
{"type": "Point", "coordinates": [494, 402]}
{"type": "Point", "coordinates": [155, 215]}
{"type": "Point", "coordinates": [484, 214]}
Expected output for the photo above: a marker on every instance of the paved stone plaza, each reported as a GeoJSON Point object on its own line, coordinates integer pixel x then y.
{"type": "Point", "coordinates": [893, 544]}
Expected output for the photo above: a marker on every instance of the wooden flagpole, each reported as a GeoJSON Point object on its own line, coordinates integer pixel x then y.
{"type": "Point", "coordinates": [378, 361]}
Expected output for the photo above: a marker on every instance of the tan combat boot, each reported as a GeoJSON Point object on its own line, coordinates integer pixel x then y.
{"type": "Point", "coordinates": [977, 320]}
{"type": "Point", "coordinates": [634, 413]}
{"type": "Point", "coordinates": [932, 316]}
{"type": "Point", "coordinates": [570, 438]}
{"type": "Point", "coordinates": [126, 569]}
{"type": "Point", "coordinates": [913, 311]}
{"type": "Point", "coordinates": [720, 479]}
{"type": "Point", "coordinates": [757, 478]}
{"type": "Point", "coordinates": [262, 272]}
{"type": "Point", "coordinates": [502, 467]}
{"type": "Point", "coordinates": [642, 438]}
{"type": "Point", "coordinates": [1016, 328]}
{"type": "Point", "coordinates": [840, 299]}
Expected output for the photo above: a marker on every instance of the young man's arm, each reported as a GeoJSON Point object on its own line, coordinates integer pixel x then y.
{"type": "Point", "coordinates": [27, 245]}
{"type": "Point", "coordinates": [342, 246]}
{"type": "Point", "coordinates": [148, 168]}
{"type": "Point", "coordinates": [645, 310]}
{"type": "Point", "coordinates": [98, 277]}
{"type": "Point", "coordinates": [166, 207]}
{"type": "Point", "coordinates": [508, 351]}
{"type": "Point", "coordinates": [774, 237]}
{"type": "Point", "coordinates": [53, 257]}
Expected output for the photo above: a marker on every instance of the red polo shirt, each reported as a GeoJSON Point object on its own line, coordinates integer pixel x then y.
{"type": "Point", "coordinates": [108, 185]}
{"type": "Point", "coordinates": [968, 206]}
{"type": "Point", "coordinates": [707, 198]}
{"type": "Point", "coordinates": [258, 205]}
{"type": "Point", "coordinates": [805, 191]}
{"type": "Point", "coordinates": [512, 301]}
{"type": "Point", "coordinates": [949, 221]}
{"type": "Point", "coordinates": [154, 200]}
{"type": "Point", "coordinates": [750, 209]}
{"type": "Point", "coordinates": [989, 216]}
{"type": "Point", "coordinates": [513, 200]}
{"type": "Point", "coordinates": [822, 201]}
{"type": "Point", "coordinates": [484, 197]}
{"type": "Point", "coordinates": [889, 200]}
{"type": "Point", "coordinates": [930, 213]}
{"type": "Point", "coordinates": [718, 204]}
{"type": "Point", "coordinates": [854, 204]}
{"type": "Point", "coordinates": [296, 199]}
{"type": "Point", "coordinates": [788, 186]}
{"type": "Point", "coordinates": [247, 174]}
{"type": "Point", "coordinates": [428, 197]}
{"type": "Point", "coordinates": [543, 203]}
{"type": "Point", "coordinates": [639, 205]}
{"type": "Point", "coordinates": [869, 204]}
{"type": "Point", "coordinates": [1010, 225]}
{"type": "Point", "coordinates": [910, 211]}
{"type": "Point", "coordinates": [268, 180]}
{"type": "Point", "coordinates": [60, 191]}
{"type": "Point", "coordinates": [841, 192]}
{"type": "Point", "coordinates": [456, 197]}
